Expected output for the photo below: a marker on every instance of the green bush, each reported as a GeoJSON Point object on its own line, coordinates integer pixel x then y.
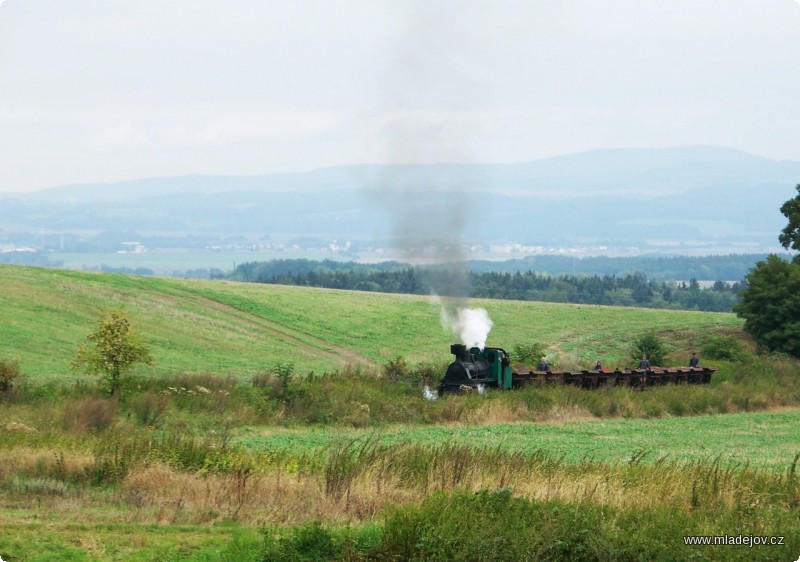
{"type": "Point", "coordinates": [528, 354]}
{"type": "Point", "coordinates": [651, 345]}
{"type": "Point", "coordinates": [726, 348]}
{"type": "Point", "coordinates": [9, 370]}
{"type": "Point", "coordinates": [397, 370]}
{"type": "Point", "coordinates": [149, 407]}
{"type": "Point", "coordinates": [314, 542]}
{"type": "Point", "coordinates": [509, 528]}
{"type": "Point", "coordinates": [308, 543]}
{"type": "Point", "coordinates": [495, 526]}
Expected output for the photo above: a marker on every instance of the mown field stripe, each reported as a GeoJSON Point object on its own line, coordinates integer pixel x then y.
{"type": "Point", "coordinates": [760, 439]}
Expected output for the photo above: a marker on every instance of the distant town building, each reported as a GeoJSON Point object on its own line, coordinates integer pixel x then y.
{"type": "Point", "coordinates": [131, 248]}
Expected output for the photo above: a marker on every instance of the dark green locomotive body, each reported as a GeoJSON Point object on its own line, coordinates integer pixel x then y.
{"type": "Point", "coordinates": [476, 368]}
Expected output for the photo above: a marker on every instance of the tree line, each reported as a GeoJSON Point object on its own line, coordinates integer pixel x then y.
{"type": "Point", "coordinates": [730, 267]}
{"type": "Point", "coordinates": [391, 277]}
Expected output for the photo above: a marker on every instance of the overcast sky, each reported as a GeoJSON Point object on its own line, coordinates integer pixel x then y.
{"type": "Point", "coordinates": [103, 90]}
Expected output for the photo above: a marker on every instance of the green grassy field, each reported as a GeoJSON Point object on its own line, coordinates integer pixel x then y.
{"type": "Point", "coordinates": [210, 455]}
{"type": "Point", "coordinates": [761, 439]}
{"type": "Point", "coordinates": [239, 329]}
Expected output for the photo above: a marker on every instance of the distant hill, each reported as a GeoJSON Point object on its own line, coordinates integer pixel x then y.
{"type": "Point", "coordinates": [646, 171]}
{"type": "Point", "coordinates": [669, 198]}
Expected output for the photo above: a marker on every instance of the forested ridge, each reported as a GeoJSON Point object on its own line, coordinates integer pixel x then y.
{"type": "Point", "coordinates": [632, 289]}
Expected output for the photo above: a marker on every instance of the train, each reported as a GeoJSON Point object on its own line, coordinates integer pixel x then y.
{"type": "Point", "coordinates": [490, 367]}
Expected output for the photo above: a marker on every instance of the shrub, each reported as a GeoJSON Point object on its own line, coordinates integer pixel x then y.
{"type": "Point", "coordinates": [511, 529]}
{"type": "Point", "coordinates": [148, 407]}
{"type": "Point", "coordinates": [284, 373]}
{"type": "Point", "coordinates": [651, 345]}
{"type": "Point", "coordinates": [358, 416]}
{"type": "Point", "coordinates": [397, 370]}
{"type": "Point", "coordinates": [92, 414]}
{"type": "Point", "coordinates": [726, 348]}
{"type": "Point", "coordinates": [9, 370]}
{"type": "Point", "coordinates": [265, 380]}
{"type": "Point", "coordinates": [115, 456]}
{"type": "Point", "coordinates": [309, 542]}
{"type": "Point", "coordinates": [429, 373]}
{"type": "Point", "coordinates": [280, 383]}
{"type": "Point", "coordinates": [528, 354]}
{"type": "Point", "coordinates": [314, 542]}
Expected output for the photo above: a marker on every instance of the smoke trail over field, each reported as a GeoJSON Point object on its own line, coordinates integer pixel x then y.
{"type": "Point", "coordinates": [427, 227]}
{"type": "Point", "coordinates": [427, 222]}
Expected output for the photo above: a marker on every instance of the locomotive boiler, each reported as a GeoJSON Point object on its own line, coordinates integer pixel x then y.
{"type": "Point", "coordinates": [476, 368]}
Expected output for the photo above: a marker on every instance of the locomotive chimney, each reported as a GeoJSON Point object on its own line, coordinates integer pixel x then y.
{"type": "Point", "coordinates": [460, 351]}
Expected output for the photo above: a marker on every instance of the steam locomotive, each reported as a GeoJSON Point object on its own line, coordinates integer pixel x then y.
{"type": "Point", "coordinates": [490, 367]}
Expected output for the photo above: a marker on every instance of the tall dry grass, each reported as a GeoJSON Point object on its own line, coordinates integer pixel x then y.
{"type": "Point", "coordinates": [356, 481]}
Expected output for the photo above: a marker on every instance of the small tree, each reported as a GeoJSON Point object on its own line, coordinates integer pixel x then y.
{"type": "Point", "coordinates": [648, 344]}
{"type": "Point", "coordinates": [111, 349]}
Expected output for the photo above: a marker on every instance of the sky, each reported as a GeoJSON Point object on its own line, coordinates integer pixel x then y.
{"type": "Point", "coordinates": [110, 90]}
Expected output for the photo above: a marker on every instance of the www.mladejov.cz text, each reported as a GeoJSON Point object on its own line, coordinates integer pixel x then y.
{"type": "Point", "coordinates": [734, 540]}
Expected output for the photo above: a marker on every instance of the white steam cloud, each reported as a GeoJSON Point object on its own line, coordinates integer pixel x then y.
{"type": "Point", "coordinates": [470, 326]}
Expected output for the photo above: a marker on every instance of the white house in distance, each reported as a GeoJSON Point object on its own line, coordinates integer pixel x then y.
{"type": "Point", "coordinates": [131, 248]}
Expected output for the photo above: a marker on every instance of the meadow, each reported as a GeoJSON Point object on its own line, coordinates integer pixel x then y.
{"type": "Point", "coordinates": [285, 423]}
{"type": "Point", "coordinates": [237, 329]}
{"type": "Point", "coordinates": [760, 439]}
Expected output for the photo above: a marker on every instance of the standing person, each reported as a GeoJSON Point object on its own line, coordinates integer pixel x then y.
{"type": "Point", "coordinates": [543, 366]}
{"type": "Point", "coordinates": [644, 364]}
{"type": "Point", "coordinates": [695, 360]}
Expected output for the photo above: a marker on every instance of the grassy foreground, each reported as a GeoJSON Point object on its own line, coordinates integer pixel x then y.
{"type": "Point", "coordinates": [131, 491]}
{"type": "Point", "coordinates": [229, 448]}
{"type": "Point", "coordinates": [173, 472]}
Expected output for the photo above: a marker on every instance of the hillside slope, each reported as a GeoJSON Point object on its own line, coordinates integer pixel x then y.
{"type": "Point", "coordinates": [240, 329]}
